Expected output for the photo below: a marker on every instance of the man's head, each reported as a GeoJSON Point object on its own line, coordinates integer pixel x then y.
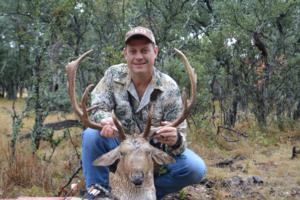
{"type": "Point", "coordinates": [140, 50]}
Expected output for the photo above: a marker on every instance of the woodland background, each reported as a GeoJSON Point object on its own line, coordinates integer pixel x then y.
{"type": "Point", "coordinates": [246, 54]}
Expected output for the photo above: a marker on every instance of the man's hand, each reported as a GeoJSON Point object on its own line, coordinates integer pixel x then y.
{"type": "Point", "coordinates": [109, 129]}
{"type": "Point", "coordinates": [166, 135]}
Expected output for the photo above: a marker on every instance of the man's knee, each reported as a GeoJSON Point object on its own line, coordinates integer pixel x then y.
{"type": "Point", "coordinates": [197, 170]}
{"type": "Point", "coordinates": [90, 136]}
{"type": "Point", "coordinates": [195, 167]}
{"type": "Point", "coordinates": [92, 139]}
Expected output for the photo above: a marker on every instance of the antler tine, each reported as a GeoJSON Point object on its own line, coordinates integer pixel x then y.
{"type": "Point", "coordinates": [85, 116]}
{"type": "Point", "coordinates": [193, 79]}
{"type": "Point", "coordinates": [92, 108]}
{"type": "Point", "coordinates": [71, 69]}
{"type": "Point", "coordinates": [147, 130]}
{"type": "Point", "coordinates": [122, 135]}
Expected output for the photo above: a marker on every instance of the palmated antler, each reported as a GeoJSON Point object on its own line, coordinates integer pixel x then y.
{"type": "Point", "coordinates": [187, 104]}
{"type": "Point", "coordinates": [82, 112]}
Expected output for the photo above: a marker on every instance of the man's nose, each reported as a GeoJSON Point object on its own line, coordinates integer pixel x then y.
{"type": "Point", "coordinates": [139, 55]}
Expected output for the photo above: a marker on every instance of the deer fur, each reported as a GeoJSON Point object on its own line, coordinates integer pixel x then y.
{"type": "Point", "coordinates": [133, 179]}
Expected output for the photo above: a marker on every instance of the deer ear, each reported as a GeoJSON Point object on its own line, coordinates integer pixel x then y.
{"type": "Point", "coordinates": [108, 158]}
{"type": "Point", "coordinates": [161, 157]}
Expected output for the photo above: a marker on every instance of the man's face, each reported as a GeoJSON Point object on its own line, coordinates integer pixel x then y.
{"type": "Point", "coordinates": [140, 55]}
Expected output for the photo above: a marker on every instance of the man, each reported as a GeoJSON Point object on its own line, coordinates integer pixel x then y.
{"type": "Point", "coordinates": [127, 89]}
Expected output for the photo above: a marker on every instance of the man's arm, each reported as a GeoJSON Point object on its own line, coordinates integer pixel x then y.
{"type": "Point", "coordinates": [172, 103]}
{"type": "Point", "coordinates": [103, 100]}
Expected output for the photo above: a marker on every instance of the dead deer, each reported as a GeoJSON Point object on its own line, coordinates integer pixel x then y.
{"type": "Point", "coordinates": [133, 179]}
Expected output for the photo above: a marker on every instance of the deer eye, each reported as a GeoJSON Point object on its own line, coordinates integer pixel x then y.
{"type": "Point", "coordinates": [122, 153]}
{"type": "Point", "coordinates": [148, 151]}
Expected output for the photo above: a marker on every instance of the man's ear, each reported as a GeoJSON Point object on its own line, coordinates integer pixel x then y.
{"type": "Point", "coordinates": [155, 48]}
{"type": "Point", "coordinates": [108, 158]}
{"type": "Point", "coordinates": [161, 157]}
{"type": "Point", "coordinates": [125, 53]}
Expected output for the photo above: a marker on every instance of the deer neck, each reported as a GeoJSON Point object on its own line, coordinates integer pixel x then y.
{"type": "Point", "coordinates": [124, 189]}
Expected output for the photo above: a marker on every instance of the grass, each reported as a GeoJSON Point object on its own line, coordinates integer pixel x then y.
{"type": "Point", "coordinates": [267, 155]}
{"type": "Point", "coordinates": [33, 175]}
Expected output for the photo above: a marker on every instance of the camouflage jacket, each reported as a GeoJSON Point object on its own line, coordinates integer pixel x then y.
{"type": "Point", "coordinates": [115, 91]}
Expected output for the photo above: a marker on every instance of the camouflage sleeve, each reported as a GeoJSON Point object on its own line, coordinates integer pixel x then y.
{"type": "Point", "coordinates": [102, 98]}
{"type": "Point", "coordinates": [172, 109]}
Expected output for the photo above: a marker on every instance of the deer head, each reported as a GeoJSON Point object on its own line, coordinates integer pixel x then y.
{"type": "Point", "coordinates": [135, 154]}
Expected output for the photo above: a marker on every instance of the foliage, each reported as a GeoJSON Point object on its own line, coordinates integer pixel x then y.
{"type": "Point", "coordinates": [246, 53]}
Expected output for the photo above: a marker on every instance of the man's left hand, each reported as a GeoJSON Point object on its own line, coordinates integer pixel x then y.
{"type": "Point", "coordinates": [166, 135]}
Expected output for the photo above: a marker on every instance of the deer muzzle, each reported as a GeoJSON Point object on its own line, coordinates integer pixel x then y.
{"type": "Point", "coordinates": [137, 178]}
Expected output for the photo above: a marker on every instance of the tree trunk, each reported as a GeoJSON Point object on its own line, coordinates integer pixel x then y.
{"type": "Point", "coordinates": [296, 114]}
{"type": "Point", "coordinates": [230, 115]}
{"type": "Point", "coordinates": [260, 110]}
{"type": "Point", "coordinates": [11, 92]}
{"type": "Point", "coordinates": [279, 113]}
{"type": "Point", "coordinates": [21, 89]}
{"type": "Point", "coordinates": [39, 115]}
{"type": "Point", "coordinates": [232, 111]}
{"type": "Point", "coordinates": [261, 107]}
{"type": "Point", "coordinates": [2, 91]}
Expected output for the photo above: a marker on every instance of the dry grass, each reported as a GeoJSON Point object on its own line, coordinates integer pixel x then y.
{"type": "Point", "coordinates": [267, 155]}
{"type": "Point", "coordinates": [26, 171]}
{"type": "Point", "coordinates": [29, 174]}
{"type": "Point", "coordinates": [33, 175]}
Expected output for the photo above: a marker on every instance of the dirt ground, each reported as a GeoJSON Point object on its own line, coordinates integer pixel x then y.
{"type": "Point", "coordinates": [260, 173]}
{"type": "Point", "coordinates": [256, 167]}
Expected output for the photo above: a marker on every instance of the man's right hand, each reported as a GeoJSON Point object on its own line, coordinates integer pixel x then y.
{"type": "Point", "coordinates": [109, 129]}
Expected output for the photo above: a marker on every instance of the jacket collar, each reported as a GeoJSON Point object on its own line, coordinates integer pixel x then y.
{"type": "Point", "coordinates": [155, 84]}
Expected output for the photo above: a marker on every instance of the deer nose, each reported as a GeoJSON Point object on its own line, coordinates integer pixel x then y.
{"type": "Point", "coordinates": [137, 178]}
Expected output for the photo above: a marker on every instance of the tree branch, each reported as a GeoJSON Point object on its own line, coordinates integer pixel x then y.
{"type": "Point", "coordinates": [56, 126]}
{"type": "Point", "coordinates": [208, 4]}
{"type": "Point", "coordinates": [238, 133]}
{"type": "Point", "coordinates": [16, 13]}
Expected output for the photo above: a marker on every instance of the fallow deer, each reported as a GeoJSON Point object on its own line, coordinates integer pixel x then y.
{"type": "Point", "coordinates": [133, 179]}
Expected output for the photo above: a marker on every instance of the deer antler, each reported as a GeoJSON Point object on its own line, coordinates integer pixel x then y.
{"type": "Point", "coordinates": [147, 131]}
{"type": "Point", "coordinates": [186, 103]}
{"type": "Point", "coordinates": [82, 113]}
{"type": "Point", "coordinates": [71, 69]}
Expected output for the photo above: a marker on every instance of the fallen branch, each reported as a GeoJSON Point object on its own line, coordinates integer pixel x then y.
{"type": "Point", "coordinates": [295, 152]}
{"type": "Point", "coordinates": [62, 189]}
{"type": "Point", "coordinates": [238, 133]}
{"type": "Point", "coordinates": [63, 124]}
{"type": "Point", "coordinates": [56, 126]}
{"type": "Point", "coordinates": [229, 161]}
